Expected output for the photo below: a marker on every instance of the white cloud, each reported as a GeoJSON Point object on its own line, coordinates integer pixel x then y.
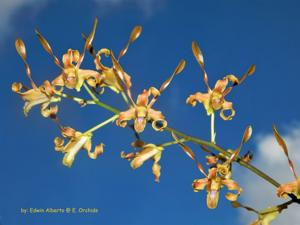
{"type": "Point", "coordinates": [9, 10]}
{"type": "Point", "coordinates": [270, 158]}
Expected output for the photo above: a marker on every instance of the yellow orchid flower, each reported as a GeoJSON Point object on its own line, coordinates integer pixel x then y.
{"type": "Point", "coordinates": [213, 184]}
{"type": "Point", "coordinates": [72, 75]}
{"type": "Point", "coordinates": [77, 141]}
{"type": "Point", "coordinates": [214, 99]}
{"type": "Point", "coordinates": [142, 112]}
{"type": "Point", "coordinates": [110, 76]}
{"type": "Point", "coordinates": [148, 151]}
{"type": "Point", "coordinates": [43, 95]}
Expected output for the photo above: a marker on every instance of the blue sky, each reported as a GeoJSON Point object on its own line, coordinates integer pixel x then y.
{"type": "Point", "coordinates": [232, 35]}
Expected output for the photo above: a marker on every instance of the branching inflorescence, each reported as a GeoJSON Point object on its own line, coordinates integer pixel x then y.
{"type": "Point", "coordinates": [141, 112]}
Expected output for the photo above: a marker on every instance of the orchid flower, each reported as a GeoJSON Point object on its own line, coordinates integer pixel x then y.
{"type": "Point", "coordinates": [43, 95]}
{"type": "Point", "coordinates": [77, 141]}
{"type": "Point", "coordinates": [142, 112]}
{"type": "Point", "coordinates": [110, 76]}
{"type": "Point", "coordinates": [213, 184]}
{"type": "Point", "coordinates": [214, 99]}
{"type": "Point", "coordinates": [72, 76]}
{"type": "Point", "coordinates": [148, 151]}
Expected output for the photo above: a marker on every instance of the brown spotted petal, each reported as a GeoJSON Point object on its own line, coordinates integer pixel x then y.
{"type": "Point", "coordinates": [289, 188]}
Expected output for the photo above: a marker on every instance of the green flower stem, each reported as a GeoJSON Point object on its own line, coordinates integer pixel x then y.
{"type": "Point", "coordinates": [205, 143]}
{"type": "Point", "coordinates": [94, 97]}
{"type": "Point", "coordinates": [212, 128]}
{"type": "Point", "coordinates": [173, 142]}
{"type": "Point", "coordinates": [125, 98]}
{"type": "Point", "coordinates": [76, 99]}
{"type": "Point", "coordinates": [98, 102]}
{"type": "Point", "coordinates": [223, 151]}
{"type": "Point", "coordinates": [111, 119]}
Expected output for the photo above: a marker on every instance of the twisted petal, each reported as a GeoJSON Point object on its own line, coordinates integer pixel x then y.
{"type": "Point", "coordinates": [125, 116]}
{"type": "Point", "coordinates": [200, 97]}
{"type": "Point", "coordinates": [142, 99]}
{"type": "Point", "coordinates": [98, 151]}
{"type": "Point", "coordinates": [221, 85]}
{"type": "Point", "coordinates": [70, 57]}
{"type": "Point", "coordinates": [231, 186]}
{"type": "Point", "coordinates": [227, 106]}
{"type": "Point", "coordinates": [59, 144]}
{"type": "Point", "coordinates": [159, 123]}
{"type": "Point", "coordinates": [156, 171]}
{"type": "Point", "coordinates": [49, 111]}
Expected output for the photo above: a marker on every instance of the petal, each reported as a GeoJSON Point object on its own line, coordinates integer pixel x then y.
{"type": "Point", "coordinates": [289, 188]}
{"type": "Point", "coordinates": [199, 184]}
{"type": "Point", "coordinates": [98, 151]}
{"type": "Point", "coordinates": [221, 85]}
{"type": "Point", "coordinates": [68, 132]}
{"type": "Point", "coordinates": [47, 111]}
{"type": "Point", "coordinates": [200, 97]}
{"type": "Point", "coordinates": [146, 153]}
{"type": "Point", "coordinates": [156, 171]}
{"type": "Point", "coordinates": [159, 123]}
{"type": "Point", "coordinates": [125, 116]}
{"type": "Point", "coordinates": [59, 81]}
{"type": "Point", "coordinates": [72, 148]}
{"type": "Point", "coordinates": [59, 143]}
{"type": "Point", "coordinates": [140, 124]}
{"type": "Point", "coordinates": [33, 97]}
{"type": "Point", "coordinates": [227, 106]}
{"type": "Point", "coordinates": [142, 99]}
{"type": "Point", "coordinates": [231, 197]}
{"type": "Point", "coordinates": [212, 199]}
{"type": "Point", "coordinates": [85, 75]}
{"type": "Point", "coordinates": [111, 80]}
